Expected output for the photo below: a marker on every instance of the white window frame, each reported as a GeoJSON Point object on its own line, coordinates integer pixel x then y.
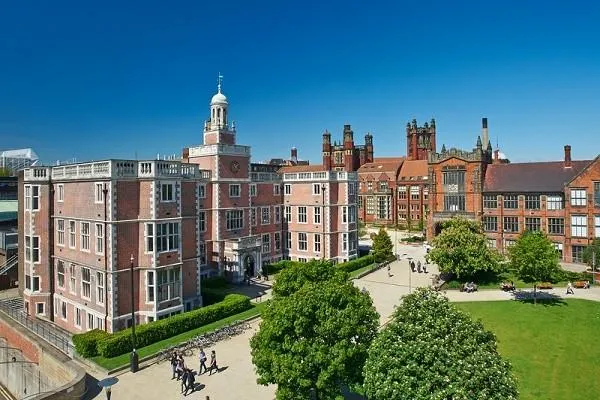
{"type": "Point", "coordinates": [288, 240]}
{"type": "Point", "coordinates": [150, 286]}
{"type": "Point", "coordinates": [43, 312]}
{"type": "Point", "coordinates": [35, 278]}
{"type": "Point", "coordinates": [202, 221]}
{"type": "Point", "coordinates": [555, 202]}
{"type": "Point", "coordinates": [277, 214]}
{"type": "Point", "coordinates": [253, 190]}
{"type": "Point", "coordinates": [72, 234]}
{"type": "Point", "coordinates": [233, 187]}
{"type": "Point", "coordinates": [202, 191]}
{"type": "Point", "coordinates": [168, 237]}
{"type": "Point", "coordinates": [174, 287]}
{"type": "Point", "coordinates": [302, 216]}
{"type": "Point", "coordinates": [316, 189]}
{"type": "Point", "coordinates": [265, 215]}
{"type": "Point", "coordinates": [287, 189]}
{"type": "Point", "coordinates": [202, 253]}
{"type": "Point", "coordinates": [266, 244]}
{"type": "Point", "coordinates": [352, 214]}
{"type": "Point", "coordinates": [34, 204]}
{"type": "Point", "coordinates": [150, 238]}
{"type": "Point", "coordinates": [31, 250]}
{"type": "Point", "coordinates": [317, 242]}
{"type": "Point", "coordinates": [99, 238]}
{"type": "Point", "coordinates": [302, 239]}
{"type": "Point", "coordinates": [277, 241]}
{"type": "Point", "coordinates": [288, 213]}
{"type": "Point", "coordinates": [276, 189]}
{"type": "Point", "coordinates": [60, 193]}
{"type": "Point", "coordinates": [344, 242]}
{"type": "Point", "coordinates": [99, 193]}
{"type": "Point", "coordinates": [234, 220]}
{"type": "Point", "coordinates": [167, 192]}
{"type": "Point", "coordinates": [597, 226]}
{"type": "Point", "coordinates": [84, 283]}
{"type": "Point", "coordinates": [28, 199]}
{"type": "Point", "coordinates": [73, 278]}
{"type": "Point", "coordinates": [578, 197]}
{"type": "Point", "coordinates": [64, 310]}
{"type": "Point", "coordinates": [344, 214]}
{"type": "Point", "coordinates": [60, 232]}
{"type": "Point", "coordinates": [77, 316]}
{"type": "Point", "coordinates": [100, 289]}
{"type": "Point", "coordinates": [83, 236]}
{"type": "Point", "coordinates": [317, 215]}
{"type": "Point", "coordinates": [579, 226]}
{"type": "Point", "coordinates": [59, 274]}
{"type": "Point", "coordinates": [90, 321]}
{"type": "Point", "coordinates": [253, 220]}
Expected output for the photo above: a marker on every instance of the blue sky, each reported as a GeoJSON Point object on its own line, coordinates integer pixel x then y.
{"type": "Point", "coordinates": [111, 79]}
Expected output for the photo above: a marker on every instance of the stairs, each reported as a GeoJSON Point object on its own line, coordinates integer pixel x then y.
{"type": "Point", "coordinates": [10, 263]}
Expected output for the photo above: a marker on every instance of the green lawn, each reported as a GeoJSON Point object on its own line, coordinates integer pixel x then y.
{"type": "Point", "coordinates": [493, 281]}
{"type": "Point", "coordinates": [552, 347]}
{"type": "Point", "coordinates": [119, 361]}
{"type": "Point", "coordinates": [359, 271]}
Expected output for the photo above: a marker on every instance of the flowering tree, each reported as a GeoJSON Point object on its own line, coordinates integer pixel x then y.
{"type": "Point", "coordinates": [433, 351]}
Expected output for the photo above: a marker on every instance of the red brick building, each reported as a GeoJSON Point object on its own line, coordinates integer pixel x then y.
{"type": "Point", "coordinates": [84, 227]}
{"type": "Point", "coordinates": [346, 156]}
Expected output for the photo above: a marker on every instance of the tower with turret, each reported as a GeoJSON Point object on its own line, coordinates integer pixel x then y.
{"type": "Point", "coordinates": [420, 140]}
{"type": "Point", "coordinates": [346, 155]}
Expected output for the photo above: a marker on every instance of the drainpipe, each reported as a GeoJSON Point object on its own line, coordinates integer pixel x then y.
{"type": "Point", "coordinates": [51, 258]}
{"type": "Point", "coordinates": [105, 193]}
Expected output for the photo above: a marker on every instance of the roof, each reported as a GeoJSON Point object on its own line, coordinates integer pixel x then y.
{"type": "Point", "coordinates": [383, 164]}
{"type": "Point", "coordinates": [549, 176]}
{"type": "Point", "coordinates": [414, 168]}
{"type": "Point", "coordinates": [8, 210]}
{"type": "Point", "coordinates": [301, 168]}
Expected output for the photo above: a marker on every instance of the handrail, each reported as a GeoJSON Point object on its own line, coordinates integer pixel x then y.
{"type": "Point", "coordinates": [10, 263]}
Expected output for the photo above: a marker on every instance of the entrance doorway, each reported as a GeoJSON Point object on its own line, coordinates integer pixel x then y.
{"type": "Point", "coordinates": [249, 266]}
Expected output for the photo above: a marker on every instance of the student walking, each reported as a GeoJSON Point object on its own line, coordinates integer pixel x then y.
{"type": "Point", "coordinates": [173, 361]}
{"type": "Point", "coordinates": [191, 381]}
{"type": "Point", "coordinates": [202, 357]}
{"type": "Point", "coordinates": [184, 380]}
{"type": "Point", "coordinates": [213, 362]}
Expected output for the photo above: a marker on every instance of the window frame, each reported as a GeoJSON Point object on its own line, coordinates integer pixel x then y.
{"type": "Point", "coordinates": [555, 202]}
{"type": "Point", "coordinates": [83, 236]}
{"type": "Point", "coordinates": [577, 230]}
{"type": "Point", "coordinates": [232, 216]}
{"type": "Point", "coordinates": [266, 245]}
{"type": "Point", "coordinates": [202, 191]}
{"type": "Point", "coordinates": [150, 286]}
{"type": "Point", "coordinates": [317, 243]}
{"type": "Point", "coordinates": [100, 289]}
{"type": "Point", "coordinates": [535, 222]}
{"type": "Point", "coordinates": [233, 187]}
{"type": "Point", "coordinates": [60, 193]}
{"type": "Point", "coordinates": [511, 220]}
{"type": "Point", "coordinates": [533, 202]}
{"type": "Point", "coordinates": [317, 215]}
{"type": "Point", "coordinates": [84, 283]}
{"type": "Point", "coordinates": [510, 200]}
{"type": "Point", "coordinates": [168, 237]}
{"type": "Point", "coordinates": [202, 221]}
{"type": "Point", "coordinates": [302, 241]}
{"type": "Point", "coordinates": [167, 192]}
{"type": "Point", "coordinates": [302, 215]}
{"type": "Point", "coordinates": [72, 234]}
{"type": "Point", "coordinates": [316, 189]}
{"type": "Point", "coordinates": [99, 192]}
{"type": "Point", "coordinates": [576, 199]}
{"type": "Point", "coordinates": [100, 237]}
{"type": "Point", "coordinates": [59, 274]}
{"type": "Point", "coordinates": [287, 189]}
{"type": "Point", "coordinates": [60, 233]}
{"type": "Point", "coordinates": [490, 220]}
{"type": "Point", "coordinates": [556, 226]}
{"type": "Point", "coordinates": [265, 215]}
{"type": "Point", "coordinates": [253, 190]}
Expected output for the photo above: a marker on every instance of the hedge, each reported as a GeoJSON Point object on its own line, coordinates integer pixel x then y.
{"type": "Point", "coordinates": [357, 263]}
{"type": "Point", "coordinates": [86, 344]}
{"type": "Point", "coordinates": [212, 295]}
{"type": "Point", "coordinates": [279, 265]}
{"type": "Point", "coordinates": [214, 282]}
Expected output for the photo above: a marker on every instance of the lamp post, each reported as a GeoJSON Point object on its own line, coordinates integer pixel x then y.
{"type": "Point", "coordinates": [133, 358]}
{"type": "Point", "coordinates": [107, 384]}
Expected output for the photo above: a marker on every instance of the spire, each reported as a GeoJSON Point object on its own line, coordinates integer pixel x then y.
{"type": "Point", "coordinates": [479, 145]}
{"type": "Point", "coordinates": [489, 147]}
{"type": "Point", "coordinates": [219, 82]}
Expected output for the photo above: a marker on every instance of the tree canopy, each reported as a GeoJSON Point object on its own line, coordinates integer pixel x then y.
{"type": "Point", "coordinates": [534, 257]}
{"type": "Point", "coordinates": [383, 248]}
{"type": "Point", "coordinates": [296, 275]}
{"type": "Point", "coordinates": [461, 248]}
{"type": "Point", "coordinates": [433, 351]}
{"type": "Point", "coordinates": [588, 254]}
{"type": "Point", "coordinates": [314, 337]}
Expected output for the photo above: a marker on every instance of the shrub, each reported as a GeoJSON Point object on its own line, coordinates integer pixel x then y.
{"type": "Point", "coordinates": [86, 344]}
{"type": "Point", "coordinates": [357, 263]}
{"type": "Point", "coordinates": [211, 296]}
{"type": "Point", "coordinates": [214, 282]}
{"type": "Point", "coordinates": [120, 343]}
{"type": "Point", "coordinates": [279, 265]}
{"type": "Point", "coordinates": [414, 239]}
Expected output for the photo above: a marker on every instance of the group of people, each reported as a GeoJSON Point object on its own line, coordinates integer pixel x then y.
{"type": "Point", "coordinates": [418, 267]}
{"type": "Point", "coordinates": [469, 287]}
{"type": "Point", "coordinates": [507, 286]}
{"type": "Point", "coordinates": [187, 375]}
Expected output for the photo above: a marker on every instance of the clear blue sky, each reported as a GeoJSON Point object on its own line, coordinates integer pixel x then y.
{"type": "Point", "coordinates": [112, 79]}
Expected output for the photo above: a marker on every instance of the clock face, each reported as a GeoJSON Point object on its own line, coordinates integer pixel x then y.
{"type": "Point", "coordinates": [235, 166]}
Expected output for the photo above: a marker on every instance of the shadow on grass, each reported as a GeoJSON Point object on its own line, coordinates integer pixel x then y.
{"type": "Point", "coordinates": [543, 298]}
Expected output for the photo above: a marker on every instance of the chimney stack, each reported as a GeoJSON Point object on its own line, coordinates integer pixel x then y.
{"type": "Point", "coordinates": [496, 156]}
{"type": "Point", "coordinates": [294, 154]}
{"type": "Point", "coordinates": [568, 156]}
{"type": "Point", "coordinates": [484, 133]}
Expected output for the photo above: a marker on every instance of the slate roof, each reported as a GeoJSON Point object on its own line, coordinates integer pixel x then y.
{"type": "Point", "coordinates": [531, 177]}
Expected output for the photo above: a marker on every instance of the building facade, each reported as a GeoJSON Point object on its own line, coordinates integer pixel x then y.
{"type": "Point", "coordinates": [346, 156]}
{"type": "Point", "coordinates": [91, 234]}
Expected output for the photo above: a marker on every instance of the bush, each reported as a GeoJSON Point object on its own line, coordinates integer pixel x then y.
{"type": "Point", "coordinates": [414, 239]}
{"type": "Point", "coordinates": [214, 282]}
{"type": "Point", "coordinates": [279, 265]}
{"type": "Point", "coordinates": [120, 343]}
{"type": "Point", "coordinates": [357, 263]}
{"type": "Point", "coordinates": [212, 296]}
{"type": "Point", "coordinates": [86, 344]}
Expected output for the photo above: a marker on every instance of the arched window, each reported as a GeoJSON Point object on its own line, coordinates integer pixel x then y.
{"type": "Point", "coordinates": [213, 114]}
{"type": "Point", "coordinates": [219, 114]}
{"type": "Point", "coordinates": [224, 116]}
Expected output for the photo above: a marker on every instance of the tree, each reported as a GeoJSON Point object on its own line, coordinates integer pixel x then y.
{"type": "Point", "coordinates": [383, 248]}
{"type": "Point", "coordinates": [4, 172]}
{"type": "Point", "coordinates": [292, 278]}
{"type": "Point", "coordinates": [432, 350]}
{"type": "Point", "coordinates": [362, 231]}
{"type": "Point", "coordinates": [591, 254]}
{"type": "Point", "coordinates": [315, 338]}
{"type": "Point", "coordinates": [461, 248]}
{"type": "Point", "coordinates": [535, 258]}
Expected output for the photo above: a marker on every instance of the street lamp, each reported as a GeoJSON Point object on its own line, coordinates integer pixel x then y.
{"type": "Point", "coordinates": [133, 358]}
{"type": "Point", "coordinates": [107, 384]}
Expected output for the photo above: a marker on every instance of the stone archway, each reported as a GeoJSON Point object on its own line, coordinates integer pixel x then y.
{"type": "Point", "coordinates": [249, 266]}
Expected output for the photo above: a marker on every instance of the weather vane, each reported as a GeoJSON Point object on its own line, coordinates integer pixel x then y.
{"type": "Point", "coordinates": [219, 81]}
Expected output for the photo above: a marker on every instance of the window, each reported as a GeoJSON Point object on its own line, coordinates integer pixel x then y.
{"type": "Point", "coordinates": [202, 252]}
{"type": "Point", "coordinates": [532, 224]}
{"type": "Point", "coordinates": [577, 253]}
{"type": "Point", "coordinates": [491, 243]}
{"type": "Point", "coordinates": [234, 190]}
{"type": "Point", "coordinates": [60, 232]}
{"type": "Point", "coordinates": [234, 219]}
{"type": "Point", "coordinates": [36, 284]}
{"type": "Point", "coordinates": [276, 189]}
{"type": "Point", "coordinates": [596, 194]}
{"type": "Point", "coordinates": [150, 287]}
{"type": "Point", "coordinates": [166, 192]}
{"type": "Point", "coordinates": [316, 188]}
{"type": "Point", "coordinates": [344, 242]}
{"type": "Point", "coordinates": [287, 189]}
{"type": "Point", "coordinates": [265, 216]}
{"type": "Point", "coordinates": [99, 239]}
{"type": "Point", "coordinates": [168, 284]}
{"type": "Point", "coordinates": [252, 190]}
{"type": "Point", "coordinates": [99, 287]}
{"type": "Point", "coordinates": [78, 317]}
{"type": "Point", "coordinates": [60, 274]}
{"type": "Point", "coordinates": [90, 325]}
{"type": "Point", "coordinates": [277, 211]}
{"type": "Point", "coordinates": [167, 236]}
{"type": "Point", "coordinates": [266, 243]}
{"type": "Point", "coordinates": [99, 191]}
{"type": "Point", "coordinates": [202, 191]}
{"type": "Point", "coordinates": [453, 185]}
{"type": "Point", "coordinates": [32, 249]}
{"type": "Point", "coordinates": [532, 201]}
{"type": "Point", "coordinates": [559, 248]}
{"type": "Point", "coordinates": [597, 226]}
{"type": "Point", "coordinates": [414, 193]}
{"type": "Point", "coordinates": [63, 310]}
{"type": "Point", "coordinates": [490, 224]}
{"type": "Point", "coordinates": [369, 186]}
{"type": "Point", "coordinates": [425, 193]}
{"type": "Point", "coordinates": [28, 282]}
{"type": "Point", "coordinates": [511, 201]}
{"type": "Point", "coordinates": [253, 216]}
{"type": "Point", "coordinates": [317, 215]}
{"type": "Point", "coordinates": [344, 214]}
{"type": "Point", "coordinates": [85, 236]}
{"type": "Point", "coordinates": [555, 202]}
{"type": "Point", "coordinates": [383, 186]}
{"type": "Point", "coordinates": [99, 323]}
{"type": "Point", "coordinates": [32, 198]}
{"type": "Point", "coordinates": [302, 215]}
{"type": "Point", "coordinates": [86, 283]}
{"type": "Point", "coordinates": [302, 259]}
{"type": "Point", "coordinates": [288, 240]}
{"type": "Point", "coordinates": [490, 201]}
{"type": "Point", "coordinates": [72, 233]}
{"type": "Point", "coordinates": [578, 197]}
{"type": "Point", "coordinates": [352, 214]}
{"type": "Point", "coordinates": [60, 192]}
{"type": "Point", "coordinates": [370, 205]}
{"type": "Point", "coordinates": [383, 207]}
{"type": "Point", "coordinates": [511, 224]}
{"type": "Point", "coordinates": [149, 238]}
{"type": "Point", "coordinates": [360, 201]}
{"type": "Point", "coordinates": [288, 213]}
{"type": "Point", "coordinates": [402, 192]}
{"type": "Point", "coordinates": [277, 241]}
{"type": "Point", "coordinates": [202, 221]}
{"type": "Point", "coordinates": [351, 188]}
{"type": "Point", "coordinates": [579, 226]}
{"type": "Point", "coordinates": [302, 241]}
{"type": "Point", "coordinates": [317, 243]}
{"type": "Point", "coordinates": [73, 279]}
{"type": "Point", "coordinates": [556, 226]}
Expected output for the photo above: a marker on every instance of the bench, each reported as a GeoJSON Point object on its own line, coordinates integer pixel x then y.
{"type": "Point", "coordinates": [581, 285]}
{"type": "Point", "coordinates": [545, 285]}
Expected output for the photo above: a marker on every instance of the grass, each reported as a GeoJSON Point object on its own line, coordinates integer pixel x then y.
{"type": "Point", "coordinates": [493, 281]}
{"type": "Point", "coordinates": [357, 272]}
{"type": "Point", "coordinates": [550, 345]}
{"type": "Point", "coordinates": [123, 359]}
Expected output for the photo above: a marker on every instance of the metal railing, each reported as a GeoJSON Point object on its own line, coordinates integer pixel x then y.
{"type": "Point", "coordinates": [41, 328]}
{"type": "Point", "coordinates": [10, 263]}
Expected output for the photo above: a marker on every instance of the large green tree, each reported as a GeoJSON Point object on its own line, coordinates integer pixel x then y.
{"type": "Point", "coordinates": [591, 254]}
{"type": "Point", "coordinates": [296, 275]}
{"type": "Point", "coordinates": [383, 248]}
{"type": "Point", "coordinates": [461, 248]}
{"type": "Point", "coordinates": [433, 351]}
{"type": "Point", "coordinates": [317, 337]}
{"type": "Point", "coordinates": [535, 258]}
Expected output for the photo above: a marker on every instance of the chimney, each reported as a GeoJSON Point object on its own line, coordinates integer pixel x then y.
{"type": "Point", "coordinates": [496, 156]}
{"type": "Point", "coordinates": [568, 156]}
{"type": "Point", "coordinates": [484, 133]}
{"type": "Point", "coordinates": [294, 154]}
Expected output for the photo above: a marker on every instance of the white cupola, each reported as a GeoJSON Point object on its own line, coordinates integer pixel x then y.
{"type": "Point", "coordinates": [218, 108]}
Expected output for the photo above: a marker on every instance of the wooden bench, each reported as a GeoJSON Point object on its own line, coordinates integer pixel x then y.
{"type": "Point", "coordinates": [581, 285]}
{"type": "Point", "coordinates": [545, 285]}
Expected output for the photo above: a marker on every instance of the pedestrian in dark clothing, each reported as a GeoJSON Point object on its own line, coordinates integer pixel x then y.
{"type": "Point", "coordinates": [425, 267]}
{"type": "Point", "coordinates": [184, 380]}
{"type": "Point", "coordinates": [213, 362]}
{"type": "Point", "coordinates": [419, 266]}
{"type": "Point", "coordinates": [202, 357]}
{"type": "Point", "coordinates": [174, 365]}
{"type": "Point", "coordinates": [190, 382]}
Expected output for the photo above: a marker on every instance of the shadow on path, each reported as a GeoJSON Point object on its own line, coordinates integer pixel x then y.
{"type": "Point", "coordinates": [543, 298]}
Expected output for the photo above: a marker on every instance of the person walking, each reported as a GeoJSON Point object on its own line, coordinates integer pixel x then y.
{"type": "Point", "coordinates": [173, 361]}
{"type": "Point", "coordinates": [389, 271]}
{"type": "Point", "coordinates": [202, 356]}
{"type": "Point", "coordinates": [213, 362]}
{"type": "Point", "coordinates": [419, 266]}
{"type": "Point", "coordinates": [184, 380]}
{"type": "Point", "coordinates": [191, 381]}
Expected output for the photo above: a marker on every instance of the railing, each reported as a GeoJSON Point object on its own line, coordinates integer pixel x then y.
{"type": "Point", "coordinates": [37, 174]}
{"type": "Point", "coordinates": [265, 176]}
{"type": "Point", "coordinates": [213, 149]}
{"type": "Point", "coordinates": [9, 240]}
{"type": "Point", "coordinates": [320, 176]}
{"type": "Point", "coordinates": [45, 331]}
{"type": "Point", "coordinates": [10, 263]}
